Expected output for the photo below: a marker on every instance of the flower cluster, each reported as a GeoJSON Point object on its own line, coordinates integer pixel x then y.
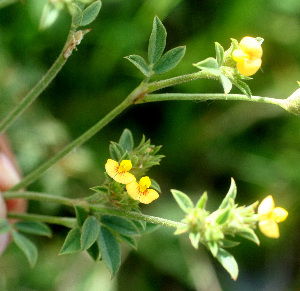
{"type": "Point", "coordinates": [248, 56]}
{"type": "Point", "coordinates": [137, 191]}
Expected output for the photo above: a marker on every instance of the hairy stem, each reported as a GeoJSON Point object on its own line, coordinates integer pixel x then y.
{"type": "Point", "coordinates": [40, 197]}
{"type": "Point", "coordinates": [206, 97]}
{"type": "Point", "coordinates": [36, 90]}
{"type": "Point", "coordinates": [154, 86]}
{"type": "Point", "coordinates": [92, 207]}
{"type": "Point", "coordinates": [136, 216]}
{"type": "Point", "coordinates": [64, 221]}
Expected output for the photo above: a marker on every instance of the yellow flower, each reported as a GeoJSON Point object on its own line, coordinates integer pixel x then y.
{"type": "Point", "coordinates": [248, 56]}
{"type": "Point", "coordinates": [269, 216]}
{"type": "Point", "coordinates": [139, 191]}
{"type": "Point", "coordinates": [120, 172]}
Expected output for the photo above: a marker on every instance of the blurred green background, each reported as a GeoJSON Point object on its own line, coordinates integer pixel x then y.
{"type": "Point", "coordinates": [205, 143]}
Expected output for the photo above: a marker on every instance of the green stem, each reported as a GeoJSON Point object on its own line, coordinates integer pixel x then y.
{"type": "Point", "coordinates": [40, 197]}
{"type": "Point", "coordinates": [206, 97]}
{"type": "Point", "coordinates": [64, 221]}
{"type": "Point", "coordinates": [37, 90]}
{"type": "Point", "coordinates": [136, 216]}
{"type": "Point", "coordinates": [154, 86]}
{"type": "Point", "coordinates": [139, 91]}
{"type": "Point", "coordinates": [71, 202]}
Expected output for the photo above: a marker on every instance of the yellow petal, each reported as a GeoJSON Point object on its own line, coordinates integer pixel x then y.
{"type": "Point", "coordinates": [124, 178]}
{"type": "Point", "coordinates": [251, 46]}
{"type": "Point", "coordinates": [266, 206]}
{"type": "Point", "coordinates": [279, 214]}
{"type": "Point", "coordinates": [249, 67]}
{"type": "Point", "coordinates": [239, 56]}
{"type": "Point", "coordinates": [133, 190]}
{"type": "Point", "coordinates": [148, 196]}
{"type": "Point", "coordinates": [269, 228]}
{"type": "Point", "coordinates": [112, 169]}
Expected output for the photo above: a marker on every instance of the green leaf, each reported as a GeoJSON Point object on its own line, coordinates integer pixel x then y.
{"type": "Point", "coordinates": [202, 201]}
{"type": "Point", "coordinates": [90, 231]}
{"type": "Point", "coordinates": [4, 226]}
{"type": "Point", "coordinates": [94, 251]}
{"type": "Point", "coordinates": [249, 234]}
{"type": "Point", "coordinates": [157, 41]}
{"type": "Point", "coordinates": [231, 194]}
{"type": "Point", "coordinates": [210, 65]}
{"type": "Point", "coordinates": [91, 12]}
{"type": "Point", "coordinates": [195, 239]}
{"type": "Point", "coordinates": [226, 83]}
{"type": "Point", "coordinates": [184, 201]}
{"type": "Point", "coordinates": [126, 140]}
{"type": "Point", "coordinates": [223, 216]}
{"type": "Point", "coordinates": [120, 225]}
{"type": "Point", "coordinates": [76, 15]}
{"type": "Point", "coordinates": [213, 247]}
{"type": "Point", "coordinates": [72, 242]}
{"type": "Point", "coordinates": [169, 60]}
{"type": "Point", "coordinates": [110, 250]}
{"type": "Point", "coordinates": [116, 151]}
{"type": "Point", "coordinates": [81, 215]}
{"type": "Point", "coordinates": [129, 240]}
{"type": "Point", "coordinates": [140, 63]}
{"type": "Point", "coordinates": [27, 247]}
{"type": "Point", "coordinates": [226, 243]}
{"type": "Point", "coordinates": [228, 262]}
{"type": "Point", "coordinates": [219, 53]}
{"type": "Point", "coordinates": [37, 228]}
{"type": "Point", "coordinates": [100, 189]}
{"type": "Point", "coordinates": [243, 87]}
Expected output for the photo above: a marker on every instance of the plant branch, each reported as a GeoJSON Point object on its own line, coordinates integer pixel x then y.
{"type": "Point", "coordinates": [40, 197]}
{"type": "Point", "coordinates": [154, 86]}
{"type": "Point", "coordinates": [206, 97]}
{"type": "Point", "coordinates": [96, 208]}
{"type": "Point", "coordinates": [136, 216]}
{"type": "Point", "coordinates": [64, 221]}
